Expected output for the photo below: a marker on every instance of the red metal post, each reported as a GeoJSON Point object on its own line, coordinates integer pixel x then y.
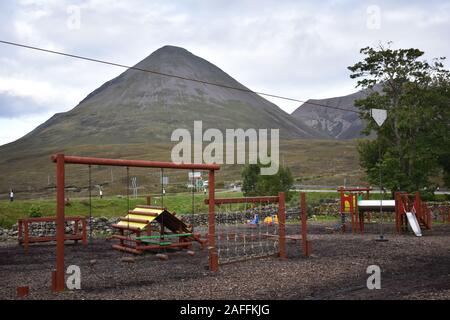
{"type": "Point", "coordinates": [352, 212]}
{"type": "Point", "coordinates": [304, 219]}
{"type": "Point", "coordinates": [213, 257]}
{"type": "Point", "coordinates": [26, 236]}
{"type": "Point", "coordinates": [342, 211]}
{"type": "Point", "coordinates": [60, 228]}
{"type": "Point", "coordinates": [398, 200]}
{"type": "Point", "coordinates": [22, 291]}
{"type": "Point", "coordinates": [282, 225]}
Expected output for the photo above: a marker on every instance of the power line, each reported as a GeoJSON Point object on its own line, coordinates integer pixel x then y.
{"type": "Point", "coordinates": [172, 75]}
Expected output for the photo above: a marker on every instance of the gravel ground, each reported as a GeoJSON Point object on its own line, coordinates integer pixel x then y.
{"type": "Point", "coordinates": [412, 268]}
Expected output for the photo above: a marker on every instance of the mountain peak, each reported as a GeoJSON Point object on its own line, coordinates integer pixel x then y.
{"type": "Point", "coordinates": [169, 49]}
{"type": "Point", "coordinates": [137, 106]}
{"type": "Point", "coordinates": [334, 122]}
{"type": "Point", "coordinates": [167, 54]}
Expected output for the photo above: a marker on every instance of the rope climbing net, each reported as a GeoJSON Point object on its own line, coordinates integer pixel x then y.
{"type": "Point", "coordinates": [248, 228]}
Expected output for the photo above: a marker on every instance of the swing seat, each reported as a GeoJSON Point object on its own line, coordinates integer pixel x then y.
{"type": "Point", "coordinates": [173, 235]}
{"type": "Point", "coordinates": [159, 243]}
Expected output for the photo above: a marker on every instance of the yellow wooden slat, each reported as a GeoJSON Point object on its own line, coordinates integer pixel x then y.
{"type": "Point", "coordinates": [139, 225]}
{"type": "Point", "coordinates": [147, 210]}
{"type": "Point", "coordinates": [137, 216]}
{"type": "Point", "coordinates": [133, 224]}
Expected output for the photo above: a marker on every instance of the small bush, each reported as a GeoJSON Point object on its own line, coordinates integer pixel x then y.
{"type": "Point", "coordinates": [35, 212]}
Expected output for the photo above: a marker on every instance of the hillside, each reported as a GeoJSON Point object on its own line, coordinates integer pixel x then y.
{"type": "Point", "coordinates": [333, 123]}
{"type": "Point", "coordinates": [313, 162]}
{"type": "Point", "coordinates": [140, 107]}
{"type": "Point", "coordinates": [134, 114]}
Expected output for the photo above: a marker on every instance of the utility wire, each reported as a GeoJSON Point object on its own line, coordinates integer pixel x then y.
{"type": "Point", "coordinates": [173, 76]}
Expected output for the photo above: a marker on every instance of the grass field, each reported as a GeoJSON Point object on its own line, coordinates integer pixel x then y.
{"type": "Point", "coordinates": [117, 206]}
{"type": "Point", "coordinates": [313, 162]}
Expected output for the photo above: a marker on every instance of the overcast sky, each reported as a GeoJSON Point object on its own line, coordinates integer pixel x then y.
{"type": "Point", "coordinates": [292, 48]}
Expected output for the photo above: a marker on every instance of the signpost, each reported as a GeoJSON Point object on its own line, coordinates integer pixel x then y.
{"type": "Point", "coordinates": [195, 180]}
{"type": "Point", "coordinates": [164, 181]}
{"type": "Point", "coordinates": [134, 186]}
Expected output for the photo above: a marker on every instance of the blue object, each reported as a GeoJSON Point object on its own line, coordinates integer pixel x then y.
{"type": "Point", "coordinates": [255, 219]}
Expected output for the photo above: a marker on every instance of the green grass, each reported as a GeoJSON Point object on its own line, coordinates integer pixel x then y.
{"type": "Point", "coordinates": [28, 171]}
{"type": "Point", "coordinates": [106, 207]}
{"type": "Point", "coordinates": [111, 206]}
{"type": "Point", "coordinates": [118, 206]}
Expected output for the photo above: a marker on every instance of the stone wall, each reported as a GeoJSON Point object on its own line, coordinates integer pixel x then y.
{"type": "Point", "coordinates": [102, 225]}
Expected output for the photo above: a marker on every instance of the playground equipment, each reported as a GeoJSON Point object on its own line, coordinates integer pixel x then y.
{"type": "Point", "coordinates": [238, 241]}
{"type": "Point", "coordinates": [178, 231]}
{"type": "Point", "coordinates": [408, 208]}
{"type": "Point", "coordinates": [141, 221]}
{"type": "Point", "coordinates": [271, 220]}
{"type": "Point", "coordinates": [441, 211]}
{"type": "Point", "coordinates": [61, 160]}
{"type": "Point", "coordinates": [255, 221]}
{"type": "Point", "coordinates": [349, 205]}
{"type": "Point", "coordinates": [24, 226]}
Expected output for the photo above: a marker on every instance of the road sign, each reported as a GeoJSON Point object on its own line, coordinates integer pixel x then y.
{"type": "Point", "coordinates": [195, 175]}
{"type": "Point", "coordinates": [379, 115]}
{"type": "Point", "coordinates": [164, 181]}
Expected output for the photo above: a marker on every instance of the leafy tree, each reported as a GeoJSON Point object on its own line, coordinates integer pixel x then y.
{"type": "Point", "coordinates": [414, 141]}
{"type": "Point", "coordinates": [250, 176]}
{"type": "Point", "coordinates": [255, 184]}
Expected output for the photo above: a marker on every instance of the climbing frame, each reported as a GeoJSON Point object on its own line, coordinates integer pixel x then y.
{"type": "Point", "coordinates": [137, 231]}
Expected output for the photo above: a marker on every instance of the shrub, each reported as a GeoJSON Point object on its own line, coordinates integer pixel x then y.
{"type": "Point", "coordinates": [35, 212]}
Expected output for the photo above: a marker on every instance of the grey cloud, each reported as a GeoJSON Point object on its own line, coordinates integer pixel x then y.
{"type": "Point", "coordinates": [290, 48]}
{"type": "Point", "coordinates": [13, 106]}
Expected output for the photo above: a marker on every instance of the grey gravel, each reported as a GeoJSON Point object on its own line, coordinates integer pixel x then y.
{"type": "Point", "coordinates": [412, 268]}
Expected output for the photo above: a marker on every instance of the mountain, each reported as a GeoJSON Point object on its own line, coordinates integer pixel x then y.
{"type": "Point", "coordinates": [138, 107]}
{"type": "Point", "coordinates": [334, 123]}
{"type": "Point", "coordinates": [134, 115]}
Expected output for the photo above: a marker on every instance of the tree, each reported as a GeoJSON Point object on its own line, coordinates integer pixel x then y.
{"type": "Point", "coordinates": [414, 140]}
{"type": "Point", "coordinates": [255, 184]}
{"type": "Point", "coordinates": [250, 176]}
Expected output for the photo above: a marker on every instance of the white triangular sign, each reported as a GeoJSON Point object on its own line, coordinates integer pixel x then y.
{"type": "Point", "coordinates": [379, 115]}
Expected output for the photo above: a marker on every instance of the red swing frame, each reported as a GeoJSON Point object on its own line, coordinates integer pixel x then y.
{"type": "Point", "coordinates": [61, 160]}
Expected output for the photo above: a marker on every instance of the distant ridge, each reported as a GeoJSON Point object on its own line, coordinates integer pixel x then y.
{"type": "Point", "coordinates": [332, 122]}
